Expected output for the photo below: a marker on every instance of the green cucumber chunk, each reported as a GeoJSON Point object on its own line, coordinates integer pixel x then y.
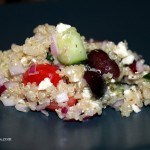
{"type": "Point", "coordinates": [71, 48]}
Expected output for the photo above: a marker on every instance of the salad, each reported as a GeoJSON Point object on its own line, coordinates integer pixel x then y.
{"type": "Point", "coordinates": [59, 70]}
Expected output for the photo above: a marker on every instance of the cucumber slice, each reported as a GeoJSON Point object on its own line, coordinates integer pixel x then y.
{"type": "Point", "coordinates": [71, 48]}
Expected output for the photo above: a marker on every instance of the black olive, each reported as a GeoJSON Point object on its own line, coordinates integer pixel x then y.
{"type": "Point", "coordinates": [95, 82]}
{"type": "Point", "coordinates": [100, 60]}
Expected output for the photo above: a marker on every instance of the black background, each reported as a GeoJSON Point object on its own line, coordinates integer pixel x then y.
{"type": "Point", "coordinates": [99, 19]}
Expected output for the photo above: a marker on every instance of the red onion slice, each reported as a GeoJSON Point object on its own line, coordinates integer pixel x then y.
{"type": "Point", "coordinates": [41, 106]}
{"type": "Point", "coordinates": [139, 66]}
{"type": "Point", "coordinates": [2, 89]}
{"type": "Point", "coordinates": [16, 69]}
{"type": "Point", "coordinates": [54, 47]}
{"type": "Point", "coordinates": [32, 70]}
{"type": "Point", "coordinates": [64, 110]}
{"type": "Point", "coordinates": [45, 112]}
{"type": "Point", "coordinates": [117, 104]}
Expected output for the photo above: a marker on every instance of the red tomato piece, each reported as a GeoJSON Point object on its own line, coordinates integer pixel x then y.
{"type": "Point", "coordinates": [53, 106]}
{"type": "Point", "coordinates": [72, 101]}
{"type": "Point", "coordinates": [41, 71]}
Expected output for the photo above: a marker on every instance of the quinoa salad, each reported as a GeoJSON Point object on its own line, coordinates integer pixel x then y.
{"type": "Point", "coordinates": [59, 70]}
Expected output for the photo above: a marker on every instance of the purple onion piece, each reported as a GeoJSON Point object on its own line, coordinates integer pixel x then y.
{"type": "Point", "coordinates": [2, 89]}
{"type": "Point", "coordinates": [64, 110]}
{"type": "Point", "coordinates": [117, 104]}
{"type": "Point", "coordinates": [32, 70]}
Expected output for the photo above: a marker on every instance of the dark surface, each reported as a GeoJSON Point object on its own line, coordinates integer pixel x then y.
{"type": "Point", "coordinates": [116, 21]}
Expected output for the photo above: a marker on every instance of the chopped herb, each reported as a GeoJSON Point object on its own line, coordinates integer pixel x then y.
{"type": "Point", "coordinates": [147, 76]}
{"type": "Point", "coordinates": [50, 57]}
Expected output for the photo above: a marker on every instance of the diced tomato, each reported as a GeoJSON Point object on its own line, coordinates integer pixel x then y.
{"type": "Point", "coordinates": [72, 101]}
{"type": "Point", "coordinates": [53, 106]}
{"type": "Point", "coordinates": [42, 71]}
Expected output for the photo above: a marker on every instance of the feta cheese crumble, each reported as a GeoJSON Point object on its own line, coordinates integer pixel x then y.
{"type": "Point", "coordinates": [44, 84]}
{"type": "Point", "coordinates": [128, 60]}
{"type": "Point", "coordinates": [121, 50]}
{"type": "Point", "coordinates": [62, 27]}
{"type": "Point", "coordinates": [87, 93]}
{"type": "Point", "coordinates": [63, 97]}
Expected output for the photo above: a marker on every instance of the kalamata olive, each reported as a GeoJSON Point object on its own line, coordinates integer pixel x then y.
{"type": "Point", "coordinates": [96, 83]}
{"type": "Point", "coordinates": [100, 60]}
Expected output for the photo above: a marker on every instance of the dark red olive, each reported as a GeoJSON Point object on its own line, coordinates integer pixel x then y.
{"type": "Point", "coordinates": [100, 60]}
{"type": "Point", "coordinates": [96, 83]}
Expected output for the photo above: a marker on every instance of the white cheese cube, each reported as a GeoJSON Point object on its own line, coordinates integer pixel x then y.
{"type": "Point", "coordinates": [128, 60]}
{"type": "Point", "coordinates": [63, 97]}
{"type": "Point", "coordinates": [44, 84]}
{"type": "Point", "coordinates": [62, 27]}
{"type": "Point", "coordinates": [121, 50]}
{"type": "Point", "coordinates": [86, 93]}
